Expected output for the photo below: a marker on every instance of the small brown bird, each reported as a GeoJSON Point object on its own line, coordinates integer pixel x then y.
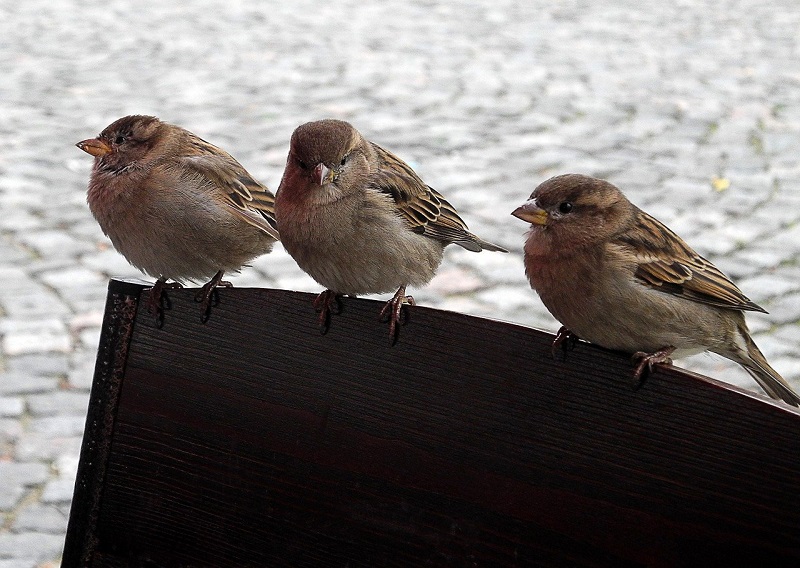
{"type": "Point", "coordinates": [617, 277]}
{"type": "Point", "coordinates": [175, 206]}
{"type": "Point", "coordinates": [360, 221]}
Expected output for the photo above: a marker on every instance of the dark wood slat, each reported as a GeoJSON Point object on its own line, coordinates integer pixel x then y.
{"type": "Point", "coordinates": [112, 353]}
{"type": "Point", "coordinates": [254, 440]}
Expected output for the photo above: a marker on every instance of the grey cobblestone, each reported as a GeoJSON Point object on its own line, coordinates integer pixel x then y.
{"type": "Point", "coordinates": [11, 406]}
{"type": "Point", "coordinates": [58, 403]}
{"type": "Point", "coordinates": [43, 518]}
{"type": "Point", "coordinates": [30, 545]}
{"type": "Point", "coordinates": [484, 99]}
{"type": "Point", "coordinates": [23, 383]}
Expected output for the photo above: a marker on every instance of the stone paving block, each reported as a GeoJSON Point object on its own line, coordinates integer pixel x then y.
{"type": "Point", "coordinates": [10, 431]}
{"type": "Point", "coordinates": [21, 343]}
{"type": "Point", "coordinates": [789, 368]}
{"type": "Point", "coordinates": [37, 335]}
{"type": "Point", "coordinates": [23, 473]}
{"type": "Point", "coordinates": [21, 562]}
{"type": "Point", "coordinates": [40, 546]}
{"type": "Point", "coordinates": [507, 298]}
{"type": "Point", "coordinates": [16, 478]}
{"type": "Point", "coordinates": [50, 519]}
{"type": "Point", "coordinates": [22, 221]}
{"type": "Point", "coordinates": [58, 491]}
{"type": "Point", "coordinates": [39, 364]}
{"type": "Point", "coordinates": [73, 277]}
{"type": "Point", "coordinates": [14, 280]}
{"type": "Point", "coordinates": [46, 446]}
{"type": "Point", "coordinates": [58, 403]}
{"type": "Point", "coordinates": [90, 338]}
{"type": "Point", "coordinates": [765, 285]}
{"type": "Point", "coordinates": [785, 309]}
{"type": "Point", "coordinates": [58, 425]}
{"type": "Point", "coordinates": [33, 303]}
{"type": "Point", "coordinates": [110, 263]}
{"type": "Point", "coordinates": [51, 242]}
{"type": "Point", "coordinates": [455, 280]}
{"type": "Point", "coordinates": [773, 347]}
{"type": "Point", "coordinates": [10, 495]}
{"type": "Point", "coordinates": [789, 334]}
{"type": "Point", "coordinates": [23, 383]}
{"type": "Point", "coordinates": [11, 406]}
{"type": "Point", "coordinates": [82, 373]}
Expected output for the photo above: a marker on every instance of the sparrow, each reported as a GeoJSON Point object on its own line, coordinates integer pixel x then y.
{"type": "Point", "coordinates": [359, 220]}
{"type": "Point", "coordinates": [615, 276]}
{"type": "Point", "coordinates": [176, 207]}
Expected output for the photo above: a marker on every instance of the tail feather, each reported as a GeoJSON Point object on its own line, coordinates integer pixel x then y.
{"type": "Point", "coordinates": [477, 244]}
{"type": "Point", "coordinates": [768, 378]}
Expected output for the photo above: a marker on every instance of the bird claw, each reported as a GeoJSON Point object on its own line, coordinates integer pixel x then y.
{"type": "Point", "coordinates": [158, 300]}
{"type": "Point", "coordinates": [565, 341]}
{"type": "Point", "coordinates": [648, 361]}
{"type": "Point", "coordinates": [327, 303]}
{"type": "Point", "coordinates": [393, 313]}
{"type": "Point", "coordinates": [208, 295]}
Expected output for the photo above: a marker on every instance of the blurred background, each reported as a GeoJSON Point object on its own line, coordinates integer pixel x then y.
{"type": "Point", "coordinates": [692, 107]}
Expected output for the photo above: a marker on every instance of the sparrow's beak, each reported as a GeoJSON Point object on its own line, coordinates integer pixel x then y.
{"type": "Point", "coordinates": [95, 147]}
{"type": "Point", "coordinates": [322, 174]}
{"type": "Point", "coordinates": [531, 213]}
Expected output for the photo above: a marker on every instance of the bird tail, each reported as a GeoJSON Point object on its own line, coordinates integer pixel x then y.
{"type": "Point", "coordinates": [768, 378]}
{"type": "Point", "coordinates": [477, 244]}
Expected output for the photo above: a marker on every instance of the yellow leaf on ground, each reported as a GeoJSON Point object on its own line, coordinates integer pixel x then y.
{"type": "Point", "coordinates": [720, 184]}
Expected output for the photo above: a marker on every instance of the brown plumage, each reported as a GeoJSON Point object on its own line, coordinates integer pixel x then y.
{"type": "Point", "coordinates": [176, 206]}
{"type": "Point", "coordinates": [359, 220]}
{"type": "Point", "coordinates": [617, 277]}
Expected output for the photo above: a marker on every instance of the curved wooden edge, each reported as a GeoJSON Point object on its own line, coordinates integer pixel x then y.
{"type": "Point", "coordinates": [115, 336]}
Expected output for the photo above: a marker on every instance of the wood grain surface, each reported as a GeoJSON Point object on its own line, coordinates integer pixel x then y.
{"type": "Point", "coordinates": [253, 440]}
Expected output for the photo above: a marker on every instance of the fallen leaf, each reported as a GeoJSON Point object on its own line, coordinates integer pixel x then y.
{"type": "Point", "coordinates": [720, 184]}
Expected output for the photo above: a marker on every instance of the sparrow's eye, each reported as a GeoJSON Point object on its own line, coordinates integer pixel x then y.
{"type": "Point", "coordinates": [120, 139]}
{"type": "Point", "coordinates": [565, 207]}
{"type": "Point", "coordinates": [302, 164]}
{"type": "Point", "coordinates": [344, 160]}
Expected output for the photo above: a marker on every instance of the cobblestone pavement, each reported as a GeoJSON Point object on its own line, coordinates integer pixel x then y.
{"type": "Point", "coordinates": [669, 100]}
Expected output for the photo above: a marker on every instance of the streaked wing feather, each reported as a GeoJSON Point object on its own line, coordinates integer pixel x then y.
{"type": "Point", "coordinates": [252, 201]}
{"type": "Point", "coordinates": [422, 207]}
{"type": "Point", "coordinates": [667, 263]}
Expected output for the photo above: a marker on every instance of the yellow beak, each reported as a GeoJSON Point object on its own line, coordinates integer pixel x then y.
{"type": "Point", "coordinates": [94, 146]}
{"type": "Point", "coordinates": [531, 213]}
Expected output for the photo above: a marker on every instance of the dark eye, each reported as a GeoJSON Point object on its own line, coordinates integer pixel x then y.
{"type": "Point", "coordinates": [565, 207]}
{"type": "Point", "coordinates": [302, 164]}
{"type": "Point", "coordinates": [120, 139]}
{"type": "Point", "coordinates": [344, 160]}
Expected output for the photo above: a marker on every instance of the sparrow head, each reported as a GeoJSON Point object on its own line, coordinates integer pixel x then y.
{"type": "Point", "coordinates": [576, 209]}
{"type": "Point", "coordinates": [327, 159]}
{"type": "Point", "coordinates": [124, 142]}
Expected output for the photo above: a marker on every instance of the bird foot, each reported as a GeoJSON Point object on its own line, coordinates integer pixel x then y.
{"type": "Point", "coordinates": [327, 303]}
{"type": "Point", "coordinates": [564, 342]}
{"type": "Point", "coordinates": [649, 361]}
{"type": "Point", "coordinates": [208, 296]}
{"type": "Point", "coordinates": [394, 314]}
{"type": "Point", "coordinates": [158, 301]}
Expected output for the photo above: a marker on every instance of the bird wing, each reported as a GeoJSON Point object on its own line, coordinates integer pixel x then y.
{"type": "Point", "coordinates": [423, 208]}
{"type": "Point", "coordinates": [668, 264]}
{"type": "Point", "coordinates": [249, 199]}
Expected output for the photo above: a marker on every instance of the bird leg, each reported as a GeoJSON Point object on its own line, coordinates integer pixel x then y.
{"type": "Point", "coordinates": [208, 296]}
{"type": "Point", "coordinates": [566, 341]}
{"type": "Point", "coordinates": [327, 303]}
{"type": "Point", "coordinates": [648, 361]}
{"type": "Point", "coordinates": [392, 312]}
{"type": "Point", "coordinates": [158, 301]}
